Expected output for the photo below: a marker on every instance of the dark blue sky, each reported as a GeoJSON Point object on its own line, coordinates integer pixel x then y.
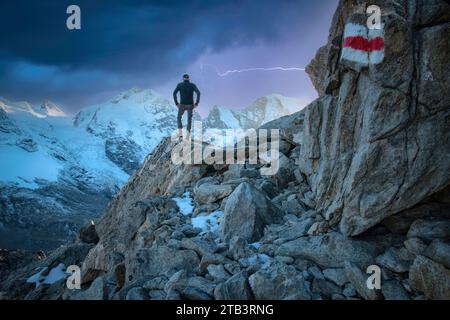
{"type": "Point", "coordinates": [149, 44]}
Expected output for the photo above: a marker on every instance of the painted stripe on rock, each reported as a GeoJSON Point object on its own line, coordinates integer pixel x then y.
{"type": "Point", "coordinates": [362, 45]}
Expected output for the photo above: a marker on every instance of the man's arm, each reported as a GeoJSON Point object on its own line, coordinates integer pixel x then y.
{"type": "Point", "coordinates": [175, 92]}
{"type": "Point", "coordinates": [197, 92]}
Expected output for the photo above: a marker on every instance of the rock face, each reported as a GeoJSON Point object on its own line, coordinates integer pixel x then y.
{"type": "Point", "coordinates": [365, 184]}
{"type": "Point", "coordinates": [376, 141]}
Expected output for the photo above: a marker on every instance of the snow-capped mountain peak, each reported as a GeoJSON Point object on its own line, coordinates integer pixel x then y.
{"type": "Point", "coordinates": [21, 107]}
{"type": "Point", "coordinates": [50, 109]}
{"type": "Point", "coordinates": [46, 109]}
{"type": "Point", "coordinates": [223, 118]}
{"type": "Point", "coordinates": [137, 95]}
{"type": "Point", "coordinates": [261, 111]}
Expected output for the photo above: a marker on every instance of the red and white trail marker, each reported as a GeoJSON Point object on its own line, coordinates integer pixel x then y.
{"type": "Point", "coordinates": [362, 45]}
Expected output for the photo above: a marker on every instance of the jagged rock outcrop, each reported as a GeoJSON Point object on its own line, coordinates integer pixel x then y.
{"type": "Point", "coordinates": [365, 182]}
{"type": "Point", "coordinates": [247, 212]}
{"type": "Point", "coordinates": [376, 141]}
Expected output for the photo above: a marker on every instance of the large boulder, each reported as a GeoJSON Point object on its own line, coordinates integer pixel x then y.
{"type": "Point", "coordinates": [190, 287]}
{"type": "Point", "coordinates": [235, 288]}
{"type": "Point", "coordinates": [430, 229]}
{"type": "Point", "coordinates": [331, 250]}
{"type": "Point", "coordinates": [277, 281]}
{"type": "Point", "coordinates": [209, 192]}
{"type": "Point", "coordinates": [439, 251]}
{"type": "Point", "coordinates": [359, 281]}
{"type": "Point", "coordinates": [160, 260]}
{"type": "Point", "coordinates": [431, 278]}
{"type": "Point", "coordinates": [247, 212]}
{"type": "Point", "coordinates": [376, 141]}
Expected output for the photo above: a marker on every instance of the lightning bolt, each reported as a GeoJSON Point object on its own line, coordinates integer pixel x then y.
{"type": "Point", "coordinates": [228, 72]}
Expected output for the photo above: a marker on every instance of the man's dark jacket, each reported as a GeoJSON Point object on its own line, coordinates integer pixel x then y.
{"type": "Point", "coordinates": [186, 89]}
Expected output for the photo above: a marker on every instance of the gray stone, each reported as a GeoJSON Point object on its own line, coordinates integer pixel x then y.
{"type": "Point", "coordinates": [235, 288]}
{"type": "Point", "coordinates": [160, 260]}
{"type": "Point", "coordinates": [431, 229]}
{"type": "Point", "coordinates": [415, 246]}
{"type": "Point", "coordinates": [96, 291]}
{"type": "Point", "coordinates": [324, 287]}
{"type": "Point", "coordinates": [209, 193]}
{"type": "Point", "coordinates": [439, 251]}
{"type": "Point", "coordinates": [316, 272]}
{"type": "Point", "coordinates": [247, 212]}
{"type": "Point", "coordinates": [200, 246]}
{"type": "Point", "coordinates": [189, 231]}
{"type": "Point", "coordinates": [88, 234]}
{"type": "Point", "coordinates": [298, 229]}
{"type": "Point", "coordinates": [156, 283]}
{"type": "Point", "coordinates": [278, 281]}
{"type": "Point", "coordinates": [233, 267]}
{"type": "Point", "coordinates": [210, 259]}
{"type": "Point", "coordinates": [191, 288]}
{"type": "Point", "coordinates": [137, 294]}
{"type": "Point", "coordinates": [173, 295]}
{"type": "Point", "coordinates": [302, 264]}
{"type": "Point", "coordinates": [285, 173]}
{"type": "Point", "coordinates": [359, 281]}
{"type": "Point", "coordinates": [238, 248]}
{"type": "Point", "coordinates": [207, 207]}
{"type": "Point", "coordinates": [337, 275]}
{"type": "Point", "coordinates": [396, 259]}
{"type": "Point", "coordinates": [319, 227]}
{"type": "Point", "coordinates": [94, 264]}
{"type": "Point", "coordinates": [431, 278]}
{"type": "Point", "coordinates": [177, 235]}
{"type": "Point", "coordinates": [284, 259]}
{"type": "Point", "coordinates": [349, 290]}
{"type": "Point", "coordinates": [218, 272]}
{"type": "Point", "coordinates": [393, 290]}
{"type": "Point", "coordinates": [331, 250]}
{"type": "Point", "coordinates": [157, 295]}
{"type": "Point", "coordinates": [401, 222]}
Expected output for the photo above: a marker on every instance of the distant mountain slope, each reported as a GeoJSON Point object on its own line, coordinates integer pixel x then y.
{"type": "Point", "coordinates": [50, 161]}
{"type": "Point", "coordinates": [53, 177]}
{"type": "Point", "coordinates": [261, 111]}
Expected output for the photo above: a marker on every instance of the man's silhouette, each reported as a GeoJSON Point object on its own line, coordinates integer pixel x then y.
{"type": "Point", "coordinates": [186, 89]}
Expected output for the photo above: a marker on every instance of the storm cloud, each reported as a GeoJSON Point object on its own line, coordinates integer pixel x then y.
{"type": "Point", "coordinates": [131, 43]}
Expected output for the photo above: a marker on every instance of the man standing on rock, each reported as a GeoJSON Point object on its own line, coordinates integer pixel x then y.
{"type": "Point", "coordinates": [186, 89]}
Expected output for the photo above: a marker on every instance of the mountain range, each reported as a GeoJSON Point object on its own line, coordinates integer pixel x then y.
{"type": "Point", "coordinates": [50, 161]}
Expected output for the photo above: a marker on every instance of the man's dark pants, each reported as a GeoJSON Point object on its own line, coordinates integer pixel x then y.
{"type": "Point", "coordinates": [181, 109]}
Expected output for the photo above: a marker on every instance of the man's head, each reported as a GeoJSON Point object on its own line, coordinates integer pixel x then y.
{"type": "Point", "coordinates": [185, 76]}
